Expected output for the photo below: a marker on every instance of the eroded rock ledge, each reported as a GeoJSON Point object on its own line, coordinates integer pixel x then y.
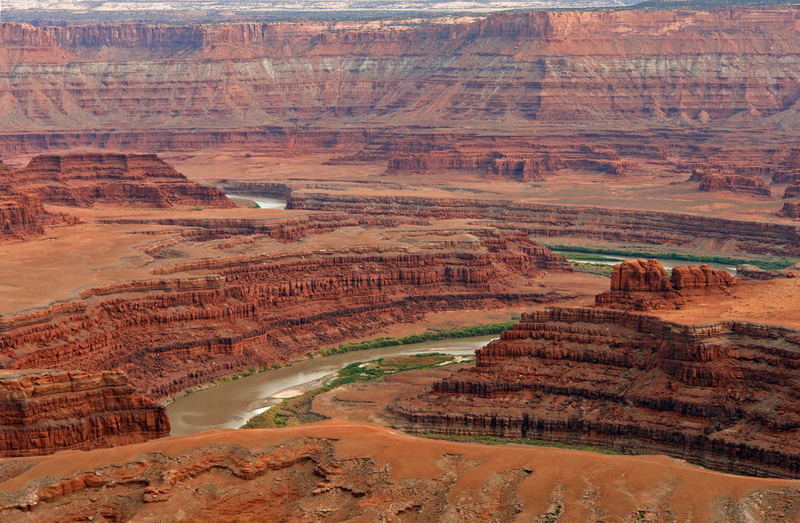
{"type": "Point", "coordinates": [43, 411]}
{"type": "Point", "coordinates": [352, 471]}
{"type": "Point", "coordinates": [81, 179]}
{"type": "Point", "coordinates": [720, 395]}
{"type": "Point", "coordinates": [196, 321]}
{"type": "Point", "coordinates": [541, 220]}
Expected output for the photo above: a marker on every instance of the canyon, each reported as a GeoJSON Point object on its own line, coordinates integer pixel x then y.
{"type": "Point", "coordinates": [544, 220]}
{"type": "Point", "coordinates": [218, 295]}
{"type": "Point", "coordinates": [426, 165]}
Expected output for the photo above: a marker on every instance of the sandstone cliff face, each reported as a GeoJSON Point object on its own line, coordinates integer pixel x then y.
{"type": "Point", "coordinates": [518, 67]}
{"type": "Point", "coordinates": [720, 395]}
{"type": "Point", "coordinates": [541, 221]}
{"type": "Point", "coordinates": [793, 191]}
{"type": "Point", "coordinates": [125, 179]}
{"type": "Point", "coordinates": [513, 161]}
{"type": "Point", "coordinates": [194, 322]}
{"type": "Point", "coordinates": [790, 210]}
{"type": "Point", "coordinates": [732, 182]}
{"type": "Point", "coordinates": [643, 285]}
{"type": "Point", "coordinates": [44, 411]}
{"type": "Point", "coordinates": [22, 216]}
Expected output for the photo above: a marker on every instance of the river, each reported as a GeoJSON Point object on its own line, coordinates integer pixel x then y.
{"type": "Point", "coordinates": [263, 202]}
{"type": "Point", "coordinates": [229, 405]}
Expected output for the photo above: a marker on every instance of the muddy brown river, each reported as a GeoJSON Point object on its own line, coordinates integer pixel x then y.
{"type": "Point", "coordinates": [263, 202]}
{"type": "Point", "coordinates": [229, 405]}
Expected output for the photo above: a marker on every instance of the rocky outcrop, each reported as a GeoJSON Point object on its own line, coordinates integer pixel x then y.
{"type": "Point", "coordinates": [643, 285]}
{"type": "Point", "coordinates": [44, 411]}
{"type": "Point", "coordinates": [84, 179]}
{"type": "Point", "coordinates": [793, 191]}
{"type": "Point", "coordinates": [751, 272]}
{"type": "Point", "coordinates": [196, 321]}
{"type": "Point", "coordinates": [702, 278]}
{"type": "Point", "coordinates": [720, 395]}
{"type": "Point", "coordinates": [22, 216]}
{"type": "Point", "coordinates": [541, 221]}
{"type": "Point", "coordinates": [640, 275]}
{"type": "Point", "coordinates": [790, 210]}
{"type": "Point", "coordinates": [751, 185]}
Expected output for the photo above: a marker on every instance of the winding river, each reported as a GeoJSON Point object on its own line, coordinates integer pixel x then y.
{"type": "Point", "coordinates": [263, 202]}
{"type": "Point", "coordinates": [229, 405]}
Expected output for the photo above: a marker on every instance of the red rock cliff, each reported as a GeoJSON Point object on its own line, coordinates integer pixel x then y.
{"type": "Point", "coordinates": [520, 67]}
{"type": "Point", "coordinates": [194, 322]}
{"type": "Point", "coordinates": [44, 411]}
{"type": "Point", "coordinates": [83, 179]}
{"type": "Point", "coordinates": [643, 285]}
{"type": "Point", "coordinates": [720, 395]}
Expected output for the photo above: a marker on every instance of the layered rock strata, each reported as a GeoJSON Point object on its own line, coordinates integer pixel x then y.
{"type": "Point", "coordinates": [43, 411]}
{"type": "Point", "coordinates": [23, 216]}
{"type": "Point", "coordinates": [751, 185]}
{"type": "Point", "coordinates": [82, 179]}
{"type": "Point", "coordinates": [615, 225]}
{"type": "Point", "coordinates": [720, 395]}
{"type": "Point", "coordinates": [196, 321]}
{"type": "Point", "coordinates": [644, 285]}
{"type": "Point", "coordinates": [790, 210]}
{"type": "Point", "coordinates": [523, 165]}
{"type": "Point", "coordinates": [650, 66]}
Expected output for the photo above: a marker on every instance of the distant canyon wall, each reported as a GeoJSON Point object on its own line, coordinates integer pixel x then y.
{"type": "Point", "coordinates": [509, 68]}
{"type": "Point", "coordinates": [543, 221]}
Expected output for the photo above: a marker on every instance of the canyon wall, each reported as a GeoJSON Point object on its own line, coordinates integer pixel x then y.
{"type": "Point", "coordinates": [720, 395]}
{"type": "Point", "coordinates": [655, 66]}
{"type": "Point", "coordinates": [43, 411]}
{"type": "Point", "coordinates": [21, 217]}
{"type": "Point", "coordinates": [82, 179]}
{"type": "Point", "coordinates": [542, 221]}
{"type": "Point", "coordinates": [196, 321]}
{"type": "Point", "coordinates": [751, 185]}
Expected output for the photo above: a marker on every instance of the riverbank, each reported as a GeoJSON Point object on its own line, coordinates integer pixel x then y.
{"type": "Point", "coordinates": [298, 410]}
{"type": "Point", "coordinates": [603, 254]}
{"type": "Point", "coordinates": [232, 403]}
